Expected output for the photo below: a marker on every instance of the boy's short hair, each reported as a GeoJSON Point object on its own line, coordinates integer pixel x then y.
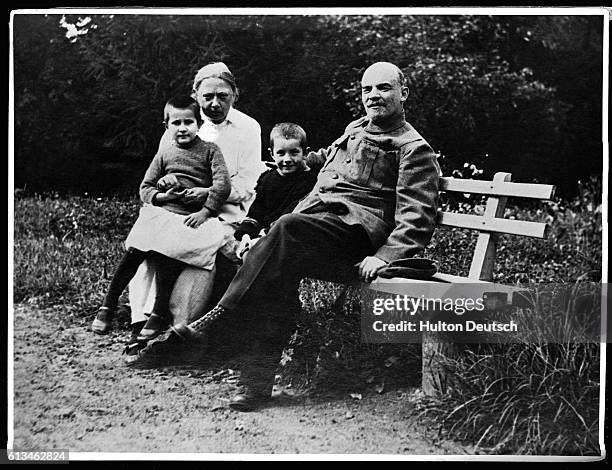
{"type": "Point", "coordinates": [183, 102]}
{"type": "Point", "coordinates": [288, 130]}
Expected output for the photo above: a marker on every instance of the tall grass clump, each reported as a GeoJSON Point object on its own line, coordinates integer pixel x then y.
{"type": "Point", "coordinates": [522, 398]}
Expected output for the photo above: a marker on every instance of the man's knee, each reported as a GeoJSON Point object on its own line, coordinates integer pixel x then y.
{"type": "Point", "coordinates": [289, 223]}
{"type": "Point", "coordinates": [288, 220]}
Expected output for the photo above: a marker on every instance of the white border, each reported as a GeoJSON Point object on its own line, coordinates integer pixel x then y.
{"type": "Point", "coordinates": [11, 233]}
{"type": "Point", "coordinates": [604, 221]}
{"type": "Point", "coordinates": [319, 457]}
{"type": "Point", "coordinates": [301, 11]}
{"type": "Point", "coordinates": [497, 11]}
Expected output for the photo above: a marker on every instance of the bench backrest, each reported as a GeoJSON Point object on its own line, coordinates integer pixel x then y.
{"type": "Point", "coordinates": [492, 223]}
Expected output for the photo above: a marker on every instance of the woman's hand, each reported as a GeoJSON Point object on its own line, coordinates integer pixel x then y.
{"type": "Point", "coordinates": [168, 181]}
{"type": "Point", "coordinates": [369, 267]}
{"type": "Point", "coordinates": [195, 195]}
{"type": "Point", "coordinates": [171, 194]}
{"type": "Point", "coordinates": [197, 218]}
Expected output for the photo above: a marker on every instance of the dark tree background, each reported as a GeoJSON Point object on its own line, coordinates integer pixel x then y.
{"type": "Point", "coordinates": [519, 94]}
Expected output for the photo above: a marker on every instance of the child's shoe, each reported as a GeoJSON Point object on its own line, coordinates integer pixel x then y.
{"type": "Point", "coordinates": [103, 322]}
{"type": "Point", "coordinates": [135, 329]}
{"type": "Point", "coordinates": [155, 326]}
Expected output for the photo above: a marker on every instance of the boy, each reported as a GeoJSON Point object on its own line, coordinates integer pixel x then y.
{"type": "Point", "coordinates": [278, 190]}
{"type": "Point", "coordinates": [171, 228]}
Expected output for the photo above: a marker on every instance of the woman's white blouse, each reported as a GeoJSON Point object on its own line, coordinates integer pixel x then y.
{"type": "Point", "coordinates": [239, 138]}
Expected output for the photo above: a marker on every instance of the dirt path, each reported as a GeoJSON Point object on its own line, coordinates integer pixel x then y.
{"type": "Point", "coordinates": [72, 391]}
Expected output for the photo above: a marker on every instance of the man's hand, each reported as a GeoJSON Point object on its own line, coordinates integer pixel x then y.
{"type": "Point", "coordinates": [171, 194]}
{"type": "Point", "coordinates": [195, 195]}
{"type": "Point", "coordinates": [245, 245]}
{"type": "Point", "coordinates": [369, 267]}
{"type": "Point", "coordinates": [168, 181]}
{"type": "Point", "coordinates": [197, 218]}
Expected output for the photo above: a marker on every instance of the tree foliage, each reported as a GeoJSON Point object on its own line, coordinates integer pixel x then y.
{"type": "Point", "coordinates": [50, 106]}
{"type": "Point", "coordinates": [520, 94]}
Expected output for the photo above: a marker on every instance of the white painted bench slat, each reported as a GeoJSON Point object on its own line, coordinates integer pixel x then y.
{"type": "Point", "coordinates": [498, 188]}
{"type": "Point", "coordinates": [498, 225]}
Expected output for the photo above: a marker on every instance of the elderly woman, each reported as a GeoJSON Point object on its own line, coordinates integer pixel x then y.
{"type": "Point", "coordinates": [239, 137]}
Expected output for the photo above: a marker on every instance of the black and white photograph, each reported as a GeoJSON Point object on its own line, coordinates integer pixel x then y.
{"type": "Point", "coordinates": [307, 234]}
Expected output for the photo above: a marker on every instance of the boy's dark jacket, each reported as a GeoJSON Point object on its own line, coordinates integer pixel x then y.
{"type": "Point", "coordinates": [276, 195]}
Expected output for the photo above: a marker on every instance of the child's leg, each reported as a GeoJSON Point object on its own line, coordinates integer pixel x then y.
{"type": "Point", "coordinates": [124, 273]}
{"type": "Point", "coordinates": [167, 271]}
{"type": "Point", "coordinates": [126, 270]}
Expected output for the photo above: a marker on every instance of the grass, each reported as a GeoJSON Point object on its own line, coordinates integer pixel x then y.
{"type": "Point", "coordinates": [513, 398]}
{"type": "Point", "coordinates": [523, 399]}
{"type": "Point", "coordinates": [538, 391]}
{"type": "Point", "coordinates": [65, 249]}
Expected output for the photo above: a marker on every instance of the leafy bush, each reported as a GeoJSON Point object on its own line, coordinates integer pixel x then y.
{"type": "Point", "coordinates": [327, 345]}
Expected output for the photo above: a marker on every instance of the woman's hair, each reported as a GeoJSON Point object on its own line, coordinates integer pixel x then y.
{"type": "Point", "coordinates": [215, 70]}
{"type": "Point", "coordinates": [288, 130]}
{"type": "Point", "coordinates": [183, 102]}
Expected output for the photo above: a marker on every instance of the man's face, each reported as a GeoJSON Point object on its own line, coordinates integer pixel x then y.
{"type": "Point", "coordinates": [182, 125]}
{"type": "Point", "coordinates": [215, 97]}
{"type": "Point", "coordinates": [381, 93]}
{"type": "Point", "coordinates": [288, 155]}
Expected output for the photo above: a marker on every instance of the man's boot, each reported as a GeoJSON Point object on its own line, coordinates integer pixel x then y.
{"type": "Point", "coordinates": [196, 330]}
{"type": "Point", "coordinates": [256, 382]}
{"type": "Point", "coordinates": [249, 398]}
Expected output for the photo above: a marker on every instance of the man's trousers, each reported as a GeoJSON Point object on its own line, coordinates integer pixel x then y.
{"type": "Point", "coordinates": [265, 289]}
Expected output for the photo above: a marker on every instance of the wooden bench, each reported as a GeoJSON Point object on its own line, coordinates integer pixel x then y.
{"type": "Point", "coordinates": [490, 225]}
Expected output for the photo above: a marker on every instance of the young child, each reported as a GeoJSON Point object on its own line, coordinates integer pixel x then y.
{"type": "Point", "coordinates": [278, 190]}
{"type": "Point", "coordinates": [184, 186]}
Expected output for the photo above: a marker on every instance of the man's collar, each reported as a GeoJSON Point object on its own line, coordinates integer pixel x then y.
{"type": "Point", "coordinates": [390, 126]}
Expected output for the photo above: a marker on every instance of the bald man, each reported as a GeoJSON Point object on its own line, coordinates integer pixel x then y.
{"type": "Point", "coordinates": [374, 202]}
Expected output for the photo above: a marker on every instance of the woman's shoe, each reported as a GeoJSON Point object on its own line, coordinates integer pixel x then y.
{"type": "Point", "coordinates": [155, 326]}
{"type": "Point", "coordinates": [103, 322]}
{"type": "Point", "coordinates": [135, 329]}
